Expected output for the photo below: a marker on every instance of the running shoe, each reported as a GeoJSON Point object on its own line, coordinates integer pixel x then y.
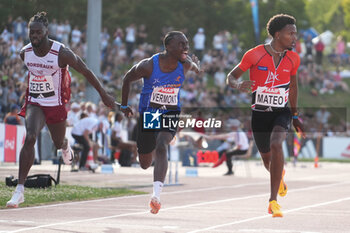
{"type": "Point", "coordinates": [275, 209]}
{"type": "Point", "coordinates": [67, 155]}
{"type": "Point", "coordinates": [155, 205]}
{"type": "Point", "coordinates": [282, 190]}
{"type": "Point", "coordinates": [17, 198]}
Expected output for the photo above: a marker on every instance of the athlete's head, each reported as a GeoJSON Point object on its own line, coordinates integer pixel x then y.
{"type": "Point", "coordinates": [38, 29]}
{"type": "Point", "coordinates": [282, 28]}
{"type": "Point", "coordinates": [176, 44]}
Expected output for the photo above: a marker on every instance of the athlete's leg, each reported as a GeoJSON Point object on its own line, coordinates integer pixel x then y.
{"type": "Point", "coordinates": [160, 168]}
{"type": "Point", "coordinates": [58, 132]}
{"type": "Point", "coordinates": [278, 135]}
{"type": "Point", "coordinates": [146, 159]}
{"type": "Point", "coordinates": [266, 157]}
{"type": "Point", "coordinates": [161, 156]}
{"type": "Point", "coordinates": [34, 122]}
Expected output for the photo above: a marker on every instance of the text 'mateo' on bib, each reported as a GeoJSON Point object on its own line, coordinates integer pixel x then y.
{"type": "Point", "coordinates": [271, 97]}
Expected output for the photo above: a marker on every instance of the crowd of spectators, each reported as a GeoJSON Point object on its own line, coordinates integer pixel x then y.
{"type": "Point", "coordinates": [126, 46]}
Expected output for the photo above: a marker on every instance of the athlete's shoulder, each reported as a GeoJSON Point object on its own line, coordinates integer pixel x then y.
{"type": "Point", "coordinates": [27, 47]}
{"type": "Point", "coordinates": [145, 67]}
{"type": "Point", "coordinates": [293, 56]}
{"type": "Point", "coordinates": [256, 53]}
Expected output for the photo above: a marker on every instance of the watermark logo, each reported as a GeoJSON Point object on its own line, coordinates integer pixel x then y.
{"type": "Point", "coordinates": [151, 120]}
{"type": "Point", "coordinates": [171, 121]}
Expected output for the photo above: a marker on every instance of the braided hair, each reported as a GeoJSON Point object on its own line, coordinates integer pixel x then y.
{"type": "Point", "coordinates": [40, 17]}
{"type": "Point", "coordinates": [171, 35]}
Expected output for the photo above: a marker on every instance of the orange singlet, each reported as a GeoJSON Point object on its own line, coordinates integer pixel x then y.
{"type": "Point", "coordinates": [271, 81]}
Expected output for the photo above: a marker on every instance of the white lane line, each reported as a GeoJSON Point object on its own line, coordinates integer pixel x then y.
{"type": "Point", "coordinates": [80, 221]}
{"type": "Point", "coordinates": [136, 196]}
{"type": "Point", "coordinates": [143, 195]}
{"type": "Point", "coordinates": [184, 206]}
{"type": "Point", "coordinates": [269, 216]}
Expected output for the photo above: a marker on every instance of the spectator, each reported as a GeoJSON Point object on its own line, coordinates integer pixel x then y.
{"type": "Point", "coordinates": [19, 29]}
{"type": "Point", "coordinates": [76, 36]}
{"type": "Point", "coordinates": [226, 149]}
{"type": "Point", "coordinates": [117, 141]}
{"type": "Point", "coordinates": [73, 115]}
{"type": "Point", "coordinates": [53, 29]}
{"type": "Point", "coordinates": [66, 32]}
{"type": "Point", "coordinates": [319, 47]}
{"type": "Point", "coordinates": [199, 43]}
{"type": "Point", "coordinates": [82, 133]}
{"type": "Point", "coordinates": [12, 117]}
{"type": "Point", "coordinates": [141, 35]}
{"type": "Point", "coordinates": [130, 39]}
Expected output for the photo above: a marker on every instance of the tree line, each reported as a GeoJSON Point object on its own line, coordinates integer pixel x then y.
{"type": "Point", "coordinates": [213, 15]}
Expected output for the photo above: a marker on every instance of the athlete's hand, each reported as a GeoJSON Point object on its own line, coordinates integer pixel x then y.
{"type": "Point", "coordinates": [108, 100]}
{"type": "Point", "coordinates": [195, 64]}
{"type": "Point", "coordinates": [127, 111]}
{"type": "Point", "coordinates": [245, 85]}
{"type": "Point", "coordinates": [299, 127]}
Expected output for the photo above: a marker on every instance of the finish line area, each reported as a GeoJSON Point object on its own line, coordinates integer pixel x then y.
{"type": "Point", "coordinates": [318, 200]}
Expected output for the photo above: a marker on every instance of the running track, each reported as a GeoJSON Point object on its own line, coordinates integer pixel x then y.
{"type": "Point", "coordinates": [318, 200]}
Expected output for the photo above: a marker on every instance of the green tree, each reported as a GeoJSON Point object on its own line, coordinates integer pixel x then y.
{"type": "Point", "coordinates": [325, 15]}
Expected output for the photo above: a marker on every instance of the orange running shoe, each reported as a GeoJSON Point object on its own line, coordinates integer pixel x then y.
{"type": "Point", "coordinates": [275, 209]}
{"type": "Point", "coordinates": [155, 205]}
{"type": "Point", "coordinates": [282, 190]}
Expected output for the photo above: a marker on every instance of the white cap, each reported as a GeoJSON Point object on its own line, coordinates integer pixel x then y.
{"type": "Point", "coordinates": [233, 123]}
{"type": "Point", "coordinates": [75, 105]}
{"type": "Point", "coordinates": [200, 30]}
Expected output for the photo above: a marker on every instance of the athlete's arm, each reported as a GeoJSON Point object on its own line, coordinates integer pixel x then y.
{"type": "Point", "coordinates": [293, 101]}
{"type": "Point", "coordinates": [67, 57]}
{"type": "Point", "coordinates": [232, 80]}
{"type": "Point", "coordinates": [141, 70]}
{"type": "Point", "coordinates": [235, 73]}
{"type": "Point", "coordinates": [21, 54]}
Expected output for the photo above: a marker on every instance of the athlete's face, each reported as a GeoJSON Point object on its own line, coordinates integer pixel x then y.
{"type": "Point", "coordinates": [37, 33]}
{"type": "Point", "coordinates": [179, 47]}
{"type": "Point", "coordinates": [288, 36]}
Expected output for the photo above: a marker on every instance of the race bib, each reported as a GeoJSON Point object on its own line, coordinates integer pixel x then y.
{"type": "Point", "coordinates": [165, 96]}
{"type": "Point", "coordinates": [41, 86]}
{"type": "Point", "coordinates": [271, 97]}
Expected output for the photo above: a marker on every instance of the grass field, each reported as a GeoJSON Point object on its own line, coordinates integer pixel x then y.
{"type": "Point", "coordinates": [62, 193]}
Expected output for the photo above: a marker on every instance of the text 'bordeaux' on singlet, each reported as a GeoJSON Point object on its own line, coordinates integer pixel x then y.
{"type": "Point", "coordinates": [48, 84]}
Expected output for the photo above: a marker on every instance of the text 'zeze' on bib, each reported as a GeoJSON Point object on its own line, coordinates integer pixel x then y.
{"type": "Point", "coordinates": [41, 86]}
{"type": "Point", "coordinates": [165, 96]}
{"type": "Point", "coordinates": [271, 97]}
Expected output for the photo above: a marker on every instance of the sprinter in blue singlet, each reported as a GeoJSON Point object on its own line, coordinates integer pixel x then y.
{"type": "Point", "coordinates": [163, 75]}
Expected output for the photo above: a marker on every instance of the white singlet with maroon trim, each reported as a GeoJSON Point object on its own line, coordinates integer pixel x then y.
{"type": "Point", "coordinates": [46, 80]}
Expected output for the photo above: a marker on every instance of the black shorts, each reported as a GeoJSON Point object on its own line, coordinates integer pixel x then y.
{"type": "Point", "coordinates": [263, 124]}
{"type": "Point", "coordinates": [146, 139]}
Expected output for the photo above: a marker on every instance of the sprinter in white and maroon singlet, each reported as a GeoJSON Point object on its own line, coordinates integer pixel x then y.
{"type": "Point", "coordinates": [47, 93]}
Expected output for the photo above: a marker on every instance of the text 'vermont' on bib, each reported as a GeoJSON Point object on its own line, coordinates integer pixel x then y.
{"type": "Point", "coordinates": [165, 96]}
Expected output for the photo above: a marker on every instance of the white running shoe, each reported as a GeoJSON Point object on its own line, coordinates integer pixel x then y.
{"type": "Point", "coordinates": [17, 198]}
{"type": "Point", "coordinates": [67, 155]}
